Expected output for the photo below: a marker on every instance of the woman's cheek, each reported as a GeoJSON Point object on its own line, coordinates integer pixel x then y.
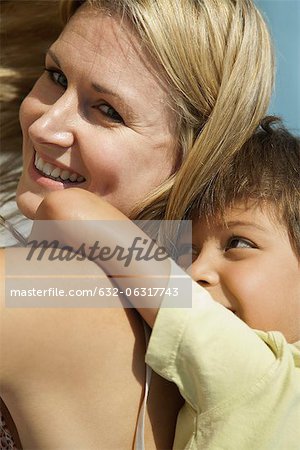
{"type": "Point", "coordinates": [30, 111]}
{"type": "Point", "coordinates": [24, 115]}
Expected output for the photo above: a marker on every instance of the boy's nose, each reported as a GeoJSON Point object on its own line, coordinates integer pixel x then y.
{"type": "Point", "coordinates": [204, 272]}
{"type": "Point", "coordinates": [56, 124]}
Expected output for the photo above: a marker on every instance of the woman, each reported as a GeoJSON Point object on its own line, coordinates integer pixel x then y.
{"type": "Point", "coordinates": [140, 103]}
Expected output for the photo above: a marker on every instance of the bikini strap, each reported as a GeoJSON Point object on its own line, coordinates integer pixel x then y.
{"type": "Point", "coordinates": [140, 431]}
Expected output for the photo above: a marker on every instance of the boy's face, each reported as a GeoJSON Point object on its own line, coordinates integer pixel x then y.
{"type": "Point", "coordinates": [249, 267]}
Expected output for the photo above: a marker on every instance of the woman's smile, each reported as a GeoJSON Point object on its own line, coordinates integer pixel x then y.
{"type": "Point", "coordinates": [103, 125]}
{"type": "Point", "coordinates": [56, 172]}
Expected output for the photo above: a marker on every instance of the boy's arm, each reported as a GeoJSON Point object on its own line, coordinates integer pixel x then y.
{"type": "Point", "coordinates": [113, 229]}
{"type": "Point", "coordinates": [240, 386]}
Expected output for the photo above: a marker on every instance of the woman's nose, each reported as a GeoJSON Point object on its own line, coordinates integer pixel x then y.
{"type": "Point", "coordinates": [204, 271]}
{"type": "Point", "coordinates": [56, 123]}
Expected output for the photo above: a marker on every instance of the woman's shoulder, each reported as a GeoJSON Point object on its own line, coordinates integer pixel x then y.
{"type": "Point", "coordinates": [93, 357]}
{"type": "Point", "coordinates": [55, 355]}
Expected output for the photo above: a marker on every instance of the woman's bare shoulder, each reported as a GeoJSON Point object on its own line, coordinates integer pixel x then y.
{"type": "Point", "coordinates": [48, 325]}
{"type": "Point", "coordinates": [63, 358]}
{"type": "Point", "coordinates": [56, 355]}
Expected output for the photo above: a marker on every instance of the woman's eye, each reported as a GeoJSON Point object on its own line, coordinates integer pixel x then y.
{"type": "Point", "coordinates": [187, 251]}
{"type": "Point", "coordinates": [238, 242]}
{"type": "Point", "coordinates": [186, 255]}
{"type": "Point", "coordinates": [110, 112]}
{"type": "Point", "coordinates": [58, 78]}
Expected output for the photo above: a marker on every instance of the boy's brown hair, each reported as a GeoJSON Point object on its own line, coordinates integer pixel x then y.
{"type": "Point", "coordinates": [267, 171]}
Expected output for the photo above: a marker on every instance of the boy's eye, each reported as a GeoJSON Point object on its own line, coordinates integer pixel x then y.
{"type": "Point", "coordinates": [110, 112]}
{"type": "Point", "coordinates": [238, 242]}
{"type": "Point", "coordinates": [58, 78]}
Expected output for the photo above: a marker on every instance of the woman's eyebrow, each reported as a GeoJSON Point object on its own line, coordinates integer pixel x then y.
{"type": "Point", "coordinates": [54, 57]}
{"type": "Point", "coordinates": [129, 111]}
{"type": "Point", "coordinates": [103, 90]}
{"type": "Point", "coordinates": [96, 86]}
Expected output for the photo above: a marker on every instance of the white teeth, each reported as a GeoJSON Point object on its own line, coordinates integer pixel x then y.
{"type": "Point", "coordinates": [73, 177]}
{"type": "Point", "coordinates": [65, 174]}
{"type": "Point", "coordinates": [56, 172]}
{"type": "Point", "coordinates": [38, 162]}
{"type": "Point", "coordinates": [47, 169]}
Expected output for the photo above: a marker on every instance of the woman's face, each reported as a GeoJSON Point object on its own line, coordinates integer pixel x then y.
{"type": "Point", "coordinates": [97, 118]}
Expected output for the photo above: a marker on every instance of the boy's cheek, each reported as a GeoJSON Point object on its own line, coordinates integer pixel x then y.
{"type": "Point", "coordinates": [243, 290]}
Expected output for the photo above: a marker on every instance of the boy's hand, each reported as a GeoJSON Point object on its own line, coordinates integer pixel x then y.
{"type": "Point", "coordinates": [76, 204]}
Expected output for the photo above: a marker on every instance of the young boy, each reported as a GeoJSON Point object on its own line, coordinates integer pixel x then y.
{"type": "Point", "coordinates": [235, 355]}
{"type": "Point", "coordinates": [241, 385]}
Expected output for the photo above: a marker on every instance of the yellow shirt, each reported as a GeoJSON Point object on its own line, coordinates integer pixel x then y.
{"type": "Point", "coordinates": [241, 386]}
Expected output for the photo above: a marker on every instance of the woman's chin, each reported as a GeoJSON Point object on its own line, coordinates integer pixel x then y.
{"type": "Point", "coordinates": [28, 203]}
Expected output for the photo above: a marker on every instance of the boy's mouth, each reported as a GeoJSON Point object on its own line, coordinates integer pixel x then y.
{"type": "Point", "coordinates": [56, 173]}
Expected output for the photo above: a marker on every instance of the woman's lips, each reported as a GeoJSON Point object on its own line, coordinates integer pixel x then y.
{"type": "Point", "coordinates": [54, 182]}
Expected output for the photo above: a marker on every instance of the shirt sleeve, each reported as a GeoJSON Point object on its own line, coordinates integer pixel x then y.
{"type": "Point", "coordinates": [208, 352]}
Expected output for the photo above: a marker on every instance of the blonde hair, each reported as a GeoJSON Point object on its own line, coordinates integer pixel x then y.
{"type": "Point", "coordinates": [24, 43]}
{"type": "Point", "coordinates": [217, 59]}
